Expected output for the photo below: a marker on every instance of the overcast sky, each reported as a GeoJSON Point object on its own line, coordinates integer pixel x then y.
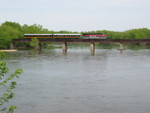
{"type": "Point", "coordinates": [78, 15]}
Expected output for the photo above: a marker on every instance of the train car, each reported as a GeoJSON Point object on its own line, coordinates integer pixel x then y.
{"type": "Point", "coordinates": [67, 36]}
{"type": "Point", "coordinates": [52, 36]}
{"type": "Point", "coordinates": [38, 35]}
{"type": "Point", "coordinates": [94, 36]}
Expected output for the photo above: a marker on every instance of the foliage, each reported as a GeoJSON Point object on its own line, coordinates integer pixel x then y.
{"type": "Point", "coordinates": [7, 83]}
{"type": "Point", "coordinates": [12, 30]}
{"type": "Point", "coordinates": [34, 42]}
{"type": "Point", "coordinates": [9, 31]}
{"type": "Point", "coordinates": [35, 29]}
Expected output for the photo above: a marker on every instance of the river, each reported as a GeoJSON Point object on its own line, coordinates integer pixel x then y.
{"type": "Point", "coordinates": [109, 82]}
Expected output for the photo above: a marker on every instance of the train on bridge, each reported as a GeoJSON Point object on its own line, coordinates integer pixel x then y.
{"type": "Point", "coordinates": [68, 36]}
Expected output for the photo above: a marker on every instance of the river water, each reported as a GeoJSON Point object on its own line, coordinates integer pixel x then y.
{"type": "Point", "coordinates": [109, 82]}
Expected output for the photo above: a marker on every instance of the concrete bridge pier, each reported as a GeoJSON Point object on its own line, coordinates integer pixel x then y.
{"type": "Point", "coordinates": [92, 48]}
{"type": "Point", "coordinates": [121, 47]}
{"type": "Point", "coordinates": [11, 46]}
{"type": "Point", "coordinates": [64, 47]}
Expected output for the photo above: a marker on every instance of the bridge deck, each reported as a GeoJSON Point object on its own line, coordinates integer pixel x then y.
{"type": "Point", "coordinates": [88, 40]}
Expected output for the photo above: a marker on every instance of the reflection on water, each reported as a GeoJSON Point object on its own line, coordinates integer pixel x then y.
{"type": "Point", "coordinates": [108, 82]}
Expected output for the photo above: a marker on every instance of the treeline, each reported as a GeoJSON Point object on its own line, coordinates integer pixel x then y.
{"type": "Point", "coordinates": [142, 33]}
{"type": "Point", "coordinates": [13, 30]}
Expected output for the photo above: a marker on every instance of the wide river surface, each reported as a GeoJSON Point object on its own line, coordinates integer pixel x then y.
{"type": "Point", "coordinates": [109, 82]}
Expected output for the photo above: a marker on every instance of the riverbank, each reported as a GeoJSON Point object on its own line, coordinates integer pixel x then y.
{"type": "Point", "coordinates": [9, 50]}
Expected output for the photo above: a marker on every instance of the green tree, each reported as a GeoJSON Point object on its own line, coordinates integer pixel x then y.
{"type": "Point", "coordinates": [13, 25]}
{"type": "Point", "coordinates": [34, 29]}
{"type": "Point", "coordinates": [8, 84]}
{"type": "Point", "coordinates": [9, 31]}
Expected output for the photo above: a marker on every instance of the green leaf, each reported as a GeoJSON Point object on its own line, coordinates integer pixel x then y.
{"type": "Point", "coordinates": [4, 109]}
{"type": "Point", "coordinates": [13, 83]}
{"type": "Point", "coordinates": [6, 94]}
{"type": "Point", "coordinates": [11, 109]}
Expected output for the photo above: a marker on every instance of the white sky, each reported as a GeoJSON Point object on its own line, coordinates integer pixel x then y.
{"type": "Point", "coordinates": [78, 15]}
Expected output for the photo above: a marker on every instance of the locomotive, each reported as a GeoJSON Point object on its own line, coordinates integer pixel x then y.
{"type": "Point", "coordinates": [69, 36]}
{"type": "Point", "coordinates": [94, 36]}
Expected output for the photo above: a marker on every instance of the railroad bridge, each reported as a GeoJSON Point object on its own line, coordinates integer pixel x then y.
{"type": "Point", "coordinates": [91, 41]}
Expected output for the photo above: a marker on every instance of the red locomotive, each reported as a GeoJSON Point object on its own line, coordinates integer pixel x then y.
{"type": "Point", "coordinates": [94, 36]}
